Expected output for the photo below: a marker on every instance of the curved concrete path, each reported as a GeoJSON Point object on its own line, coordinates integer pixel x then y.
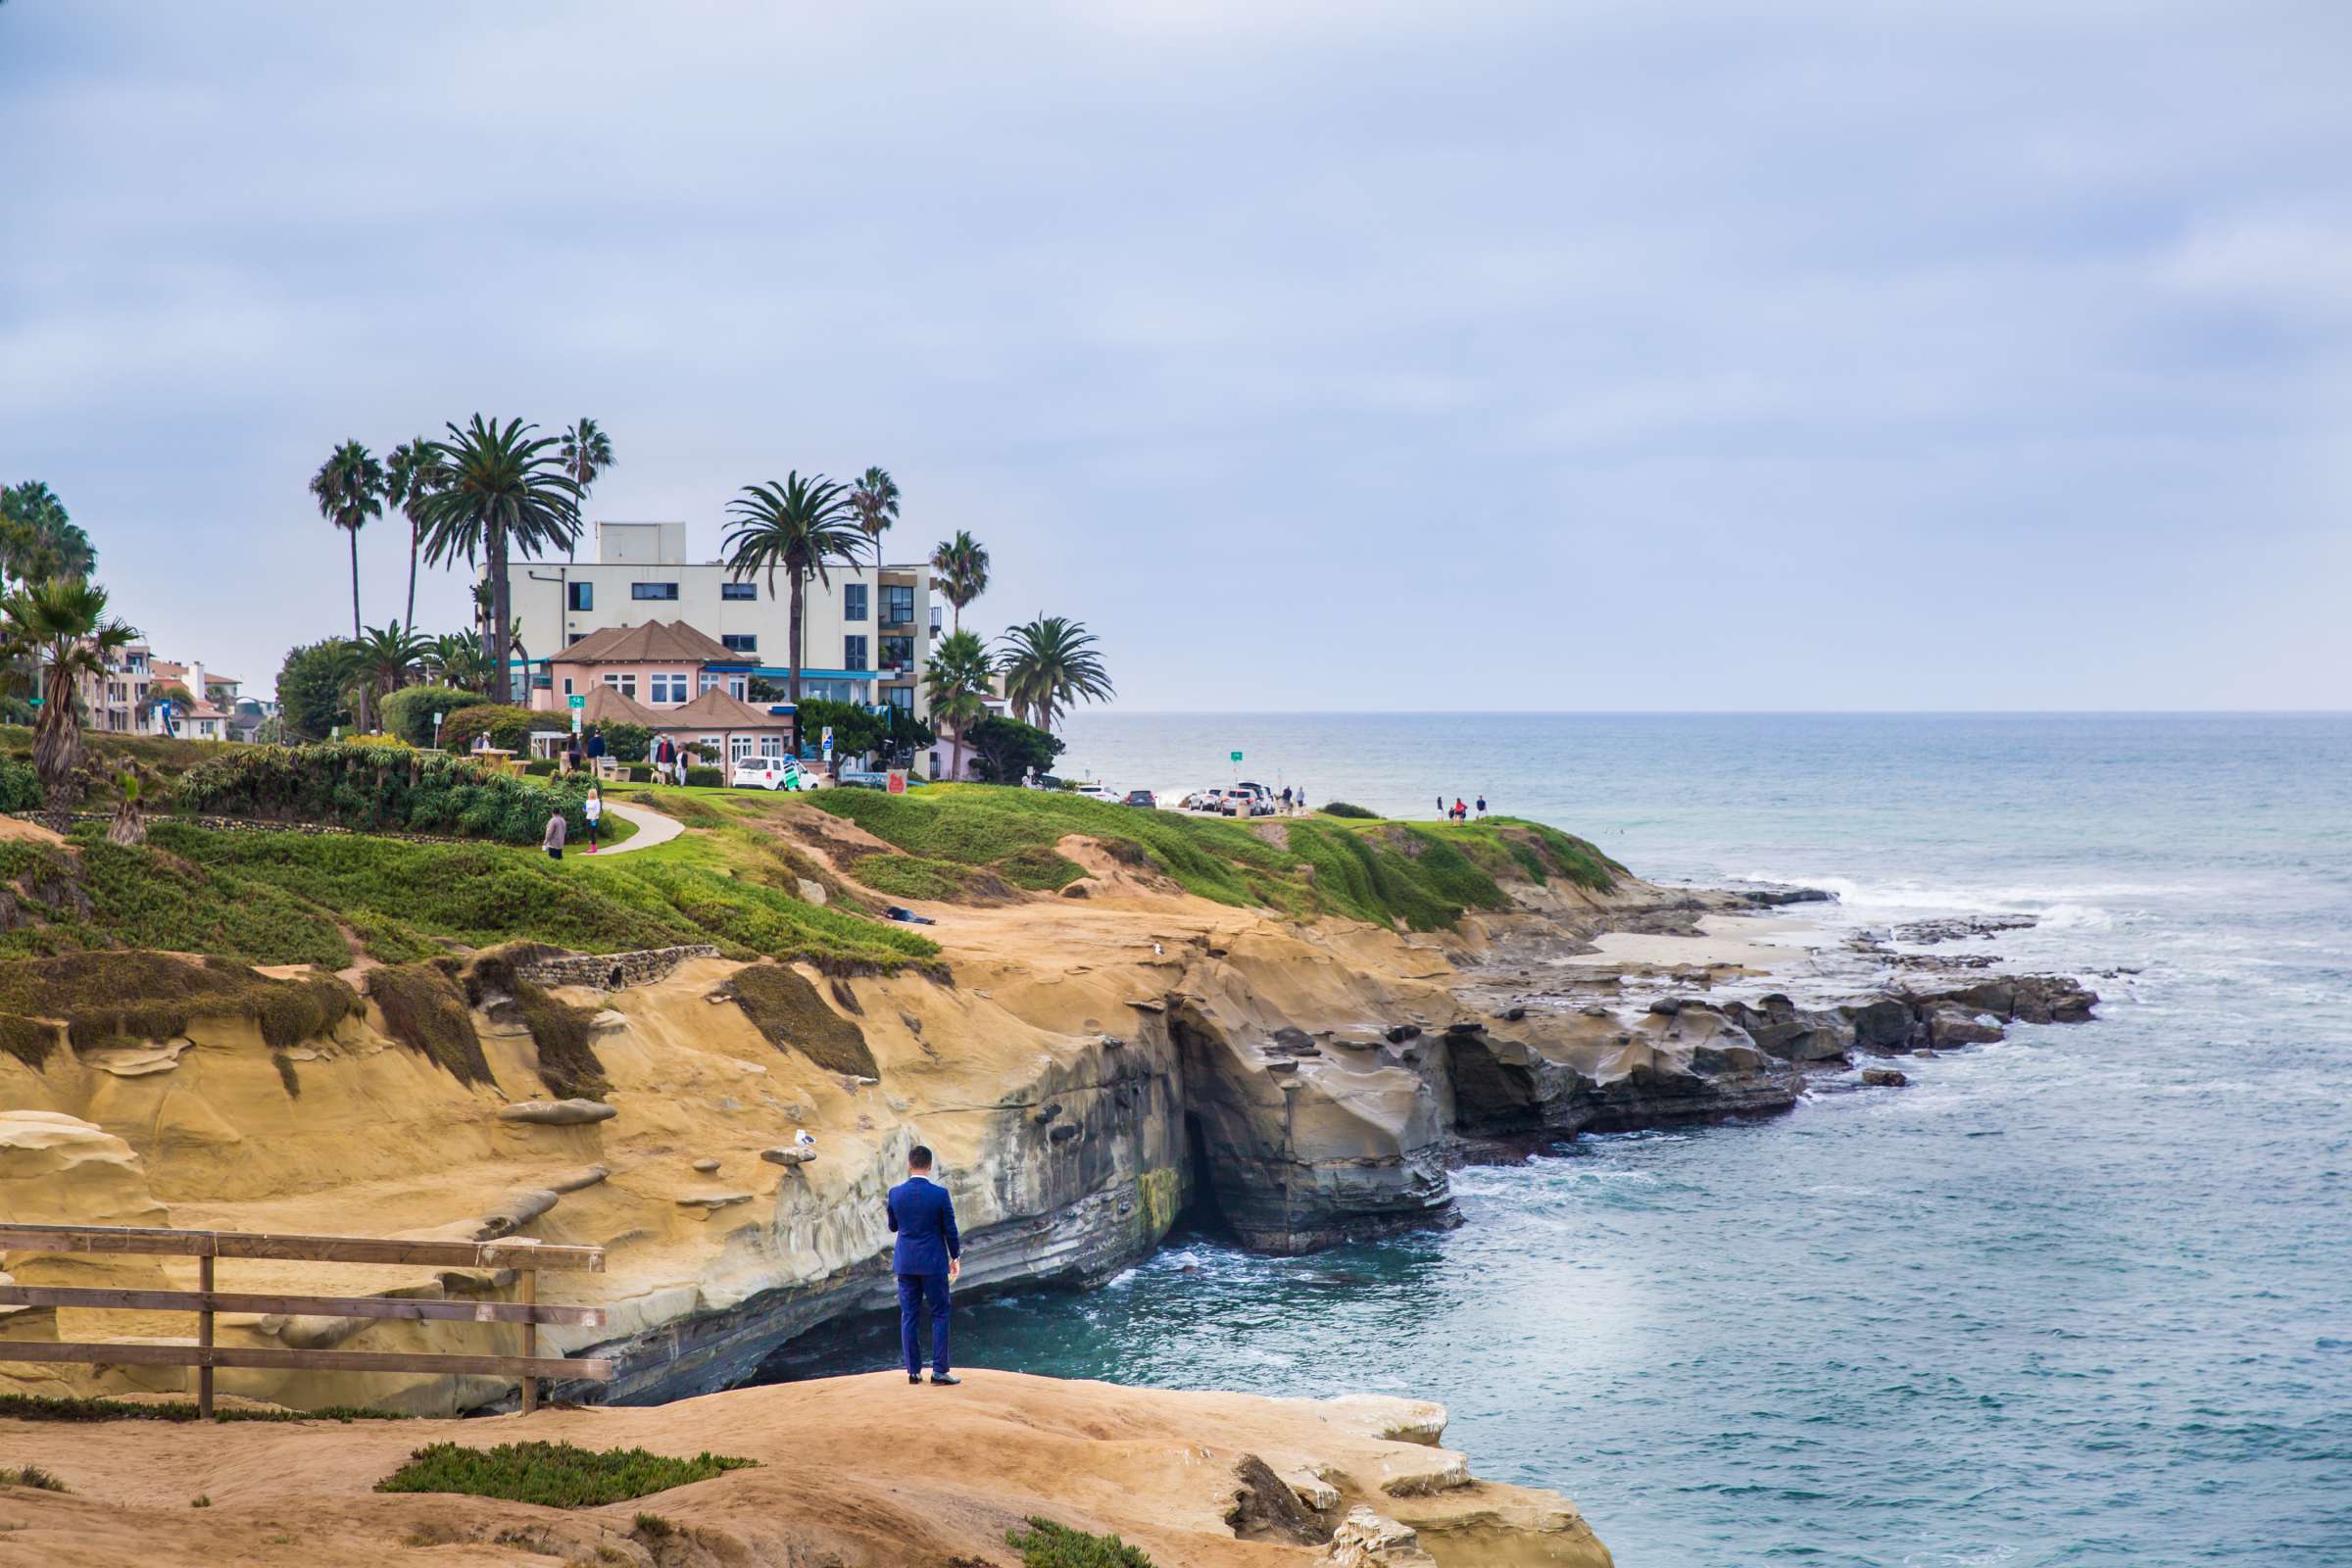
{"type": "Point", "coordinates": [653, 827]}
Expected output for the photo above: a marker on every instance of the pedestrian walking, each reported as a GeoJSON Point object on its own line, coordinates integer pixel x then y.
{"type": "Point", "coordinates": [553, 839]}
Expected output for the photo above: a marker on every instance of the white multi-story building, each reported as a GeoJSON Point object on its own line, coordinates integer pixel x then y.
{"type": "Point", "coordinates": [862, 640]}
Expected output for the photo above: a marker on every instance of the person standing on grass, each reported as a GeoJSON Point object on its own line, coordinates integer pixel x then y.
{"type": "Point", "coordinates": [593, 808]}
{"type": "Point", "coordinates": [1482, 806]}
{"type": "Point", "coordinates": [926, 1258]}
{"type": "Point", "coordinates": [1441, 811]}
{"type": "Point", "coordinates": [553, 841]}
{"type": "Point", "coordinates": [677, 767]}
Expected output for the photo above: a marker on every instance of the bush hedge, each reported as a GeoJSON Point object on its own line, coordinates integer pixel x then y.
{"type": "Point", "coordinates": [707, 777]}
{"type": "Point", "coordinates": [540, 768]}
{"type": "Point", "coordinates": [626, 743]}
{"type": "Point", "coordinates": [378, 788]}
{"type": "Point", "coordinates": [1349, 808]}
{"type": "Point", "coordinates": [20, 786]}
{"type": "Point", "coordinates": [508, 728]}
{"type": "Point", "coordinates": [409, 712]}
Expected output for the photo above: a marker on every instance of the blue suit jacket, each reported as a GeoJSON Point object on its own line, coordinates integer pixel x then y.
{"type": "Point", "coordinates": [924, 1217]}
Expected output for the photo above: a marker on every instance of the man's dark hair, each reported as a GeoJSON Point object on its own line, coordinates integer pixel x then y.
{"type": "Point", "coordinates": [918, 1158]}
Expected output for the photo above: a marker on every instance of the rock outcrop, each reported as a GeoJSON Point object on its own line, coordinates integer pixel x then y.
{"type": "Point", "coordinates": [1166, 1471]}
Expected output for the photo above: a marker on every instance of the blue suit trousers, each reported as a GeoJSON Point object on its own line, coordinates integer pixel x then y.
{"type": "Point", "coordinates": [912, 1290]}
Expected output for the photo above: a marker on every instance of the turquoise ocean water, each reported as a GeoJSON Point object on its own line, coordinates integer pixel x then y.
{"type": "Point", "coordinates": [2081, 1297]}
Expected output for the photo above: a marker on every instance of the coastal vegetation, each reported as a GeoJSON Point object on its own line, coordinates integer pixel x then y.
{"type": "Point", "coordinates": [349, 488]}
{"type": "Point", "coordinates": [500, 490]}
{"type": "Point", "coordinates": [377, 788]}
{"type": "Point", "coordinates": [1421, 875]}
{"type": "Point", "coordinates": [957, 683]}
{"type": "Point", "coordinates": [65, 1407]}
{"type": "Point", "coordinates": [1050, 664]}
{"type": "Point", "coordinates": [962, 566]}
{"type": "Point", "coordinates": [1046, 1544]}
{"type": "Point", "coordinates": [585, 452]}
{"type": "Point", "coordinates": [61, 625]}
{"type": "Point", "coordinates": [553, 1475]}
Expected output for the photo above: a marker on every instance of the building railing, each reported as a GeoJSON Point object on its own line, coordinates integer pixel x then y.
{"type": "Point", "coordinates": [522, 1254]}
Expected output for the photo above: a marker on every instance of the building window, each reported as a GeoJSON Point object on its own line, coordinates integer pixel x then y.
{"type": "Point", "coordinates": [741, 641]}
{"type": "Point", "coordinates": [653, 590]}
{"type": "Point", "coordinates": [738, 747]}
{"type": "Point", "coordinates": [669, 688]}
{"type": "Point", "coordinates": [938, 620]}
{"type": "Point", "coordinates": [900, 697]}
{"type": "Point", "coordinates": [568, 685]}
{"type": "Point", "coordinates": [853, 602]}
{"type": "Point", "coordinates": [898, 604]}
{"type": "Point", "coordinates": [626, 685]}
{"type": "Point", "coordinates": [853, 653]}
{"type": "Point", "coordinates": [738, 590]}
{"type": "Point", "coordinates": [771, 745]}
{"type": "Point", "coordinates": [581, 595]}
{"type": "Point", "coordinates": [897, 653]}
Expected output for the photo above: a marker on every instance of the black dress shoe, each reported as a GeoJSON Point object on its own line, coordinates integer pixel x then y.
{"type": "Point", "coordinates": [945, 1380]}
{"type": "Point", "coordinates": [914, 1377]}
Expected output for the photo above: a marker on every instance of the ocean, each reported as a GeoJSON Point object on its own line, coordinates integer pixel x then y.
{"type": "Point", "coordinates": [2083, 1297]}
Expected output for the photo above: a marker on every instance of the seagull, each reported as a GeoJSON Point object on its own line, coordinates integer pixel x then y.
{"type": "Point", "coordinates": [805, 1139]}
{"type": "Point", "coordinates": [1159, 951]}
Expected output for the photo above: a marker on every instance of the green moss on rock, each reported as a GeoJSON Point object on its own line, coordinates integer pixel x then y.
{"type": "Point", "coordinates": [786, 1009]}
{"type": "Point", "coordinates": [424, 1009]}
{"type": "Point", "coordinates": [107, 998]}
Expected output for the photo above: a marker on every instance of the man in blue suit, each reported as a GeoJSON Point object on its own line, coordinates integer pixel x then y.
{"type": "Point", "coordinates": [927, 1257]}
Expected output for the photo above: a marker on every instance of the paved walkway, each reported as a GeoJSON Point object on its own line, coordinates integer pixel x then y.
{"type": "Point", "coordinates": [653, 827]}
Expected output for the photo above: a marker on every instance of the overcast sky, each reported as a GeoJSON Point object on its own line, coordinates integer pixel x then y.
{"type": "Point", "coordinates": [1824, 354]}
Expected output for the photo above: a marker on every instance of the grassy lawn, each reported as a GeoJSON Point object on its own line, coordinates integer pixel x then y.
{"type": "Point", "coordinates": [1423, 874]}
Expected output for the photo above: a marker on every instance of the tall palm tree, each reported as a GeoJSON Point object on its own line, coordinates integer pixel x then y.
{"type": "Point", "coordinates": [1050, 664]}
{"type": "Point", "coordinates": [410, 476]}
{"type": "Point", "coordinates": [875, 499]}
{"type": "Point", "coordinates": [586, 453]}
{"type": "Point", "coordinates": [963, 565]}
{"type": "Point", "coordinates": [501, 490]}
{"type": "Point", "coordinates": [37, 539]}
{"type": "Point", "coordinates": [62, 624]}
{"type": "Point", "coordinates": [349, 488]}
{"type": "Point", "coordinates": [955, 681]}
{"type": "Point", "coordinates": [388, 657]}
{"type": "Point", "coordinates": [799, 524]}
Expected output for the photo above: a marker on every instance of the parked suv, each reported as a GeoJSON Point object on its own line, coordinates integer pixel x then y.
{"type": "Point", "coordinates": [1142, 797]}
{"type": "Point", "coordinates": [759, 773]}
{"type": "Point", "coordinates": [1246, 799]}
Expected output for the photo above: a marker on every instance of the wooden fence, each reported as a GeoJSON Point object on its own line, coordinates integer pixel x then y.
{"type": "Point", "coordinates": [525, 1257]}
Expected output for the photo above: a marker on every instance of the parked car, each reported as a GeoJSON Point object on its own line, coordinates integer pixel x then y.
{"type": "Point", "coordinates": [1246, 799]}
{"type": "Point", "coordinates": [1099, 792]}
{"type": "Point", "coordinates": [1144, 797]}
{"type": "Point", "coordinates": [760, 773]}
{"type": "Point", "coordinates": [1209, 801]}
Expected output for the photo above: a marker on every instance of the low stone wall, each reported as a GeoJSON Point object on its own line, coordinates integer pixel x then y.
{"type": "Point", "coordinates": [612, 971]}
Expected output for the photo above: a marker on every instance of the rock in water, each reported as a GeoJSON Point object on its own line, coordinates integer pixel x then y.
{"type": "Point", "coordinates": [1883, 1077]}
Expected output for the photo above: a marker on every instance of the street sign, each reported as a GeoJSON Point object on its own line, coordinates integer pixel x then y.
{"type": "Point", "coordinates": [436, 722]}
{"type": "Point", "coordinates": [577, 700]}
{"type": "Point", "coordinates": [1237, 757]}
{"type": "Point", "coordinates": [829, 743]}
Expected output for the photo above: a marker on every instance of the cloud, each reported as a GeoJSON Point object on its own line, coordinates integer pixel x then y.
{"type": "Point", "coordinates": [1319, 355]}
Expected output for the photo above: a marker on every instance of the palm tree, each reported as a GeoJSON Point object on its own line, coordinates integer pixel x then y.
{"type": "Point", "coordinates": [37, 539]}
{"type": "Point", "coordinates": [798, 525]}
{"type": "Point", "coordinates": [409, 477]}
{"type": "Point", "coordinates": [1051, 664]}
{"type": "Point", "coordinates": [62, 623]}
{"type": "Point", "coordinates": [962, 563]}
{"type": "Point", "coordinates": [501, 490]}
{"type": "Point", "coordinates": [875, 499]}
{"type": "Point", "coordinates": [459, 661]}
{"type": "Point", "coordinates": [388, 657]}
{"type": "Point", "coordinates": [955, 681]}
{"type": "Point", "coordinates": [350, 489]}
{"type": "Point", "coordinates": [586, 453]}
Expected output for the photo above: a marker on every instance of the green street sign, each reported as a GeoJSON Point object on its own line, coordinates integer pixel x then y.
{"type": "Point", "coordinates": [577, 700]}
{"type": "Point", "coordinates": [1237, 757]}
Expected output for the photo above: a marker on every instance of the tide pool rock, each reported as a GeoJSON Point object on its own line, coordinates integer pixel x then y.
{"type": "Point", "coordinates": [558, 1112]}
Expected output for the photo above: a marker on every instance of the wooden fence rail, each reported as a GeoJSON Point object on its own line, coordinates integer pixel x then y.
{"type": "Point", "coordinates": [522, 1254]}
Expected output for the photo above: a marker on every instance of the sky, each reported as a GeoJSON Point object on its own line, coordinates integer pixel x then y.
{"type": "Point", "coordinates": [1623, 354]}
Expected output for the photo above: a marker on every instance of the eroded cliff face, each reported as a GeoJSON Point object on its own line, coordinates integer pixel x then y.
{"type": "Point", "coordinates": [1090, 1070]}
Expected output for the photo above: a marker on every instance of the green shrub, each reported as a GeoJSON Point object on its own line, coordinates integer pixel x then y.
{"type": "Point", "coordinates": [626, 743]}
{"type": "Point", "coordinates": [787, 1010]}
{"type": "Point", "coordinates": [425, 1010]}
{"type": "Point", "coordinates": [707, 777]}
{"type": "Point", "coordinates": [641, 775]}
{"type": "Point", "coordinates": [553, 1475]}
{"type": "Point", "coordinates": [33, 1476]}
{"type": "Point", "coordinates": [55, 1407]}
{"type": "Point", "coordinates": [508, 728]}
{"type": "Point", "coordinates": [111, 998]}
{"type": "Point", "coordinates": [1349, 808]}
{"type": "Point", "coordinates": [409, 712]}
{"type": "Point", "coordinates": [540, 768]}
{"type": "Point", "coordinates": [374, 788]}
{"type": "Point", "coordinates": [1046, 1544]}
{"type": "Point", "coordinates": [1003, 750]}
{"type": "Point", "coordinates": [20, 786]}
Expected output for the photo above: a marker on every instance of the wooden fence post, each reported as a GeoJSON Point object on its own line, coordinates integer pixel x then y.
{"type": "Point", "coordinates": [204, 1337]}
{"type": "Point", "coordinates": [528, 1295]}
